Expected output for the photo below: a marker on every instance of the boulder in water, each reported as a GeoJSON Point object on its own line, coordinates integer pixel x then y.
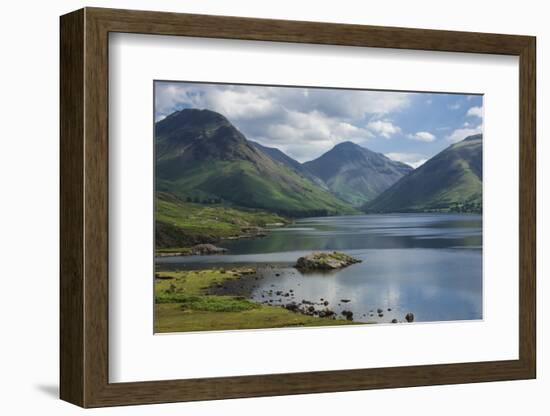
{"type": "Point", "coordinates": [324, 261]}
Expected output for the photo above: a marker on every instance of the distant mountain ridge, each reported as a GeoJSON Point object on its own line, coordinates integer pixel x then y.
{"type": "Point", "coordinates": [356, 174]}
{"type": "Point", "coordinates": [286, 160]}
{"type": "Point", "coordinates": [200, 155]}
{"type": "Point", "coordinates": [449, 181]}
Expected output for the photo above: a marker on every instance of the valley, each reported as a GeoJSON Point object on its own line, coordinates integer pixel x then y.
{"type": "Point", "coordinates": [233, 216]}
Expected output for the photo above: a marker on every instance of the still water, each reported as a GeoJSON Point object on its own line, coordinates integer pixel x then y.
{"type": "Point", "coordinates": [427, 264]}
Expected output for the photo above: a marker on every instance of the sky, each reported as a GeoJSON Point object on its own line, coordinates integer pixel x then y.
{"type": "Point", "coordinates": [410, 127]}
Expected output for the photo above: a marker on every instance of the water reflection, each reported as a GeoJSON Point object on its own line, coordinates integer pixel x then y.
{"type": "Point", "coordinates": [428, 264]}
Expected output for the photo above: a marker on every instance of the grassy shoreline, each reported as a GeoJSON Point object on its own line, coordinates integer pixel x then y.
{"type": "Point", "coordinates": [180, 225]}
{"type": "Point", "coordinates": [183, 303]}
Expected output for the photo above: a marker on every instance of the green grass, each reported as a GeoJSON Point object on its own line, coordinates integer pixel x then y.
{"type": "Point", "coordinates": [193, 282]}
{"type": "Point", "coordinates": [272, 187]}
{"type": "Point", "coordinates": [209, 303]}
{"type": "Point", "coordinates": [327, 257]}
{"type": "Point", "coordinates": [175, 250]}
{"type": "Point", "coordinates": [217, 304]}
{"type": "Point", "coordinates": [182, 304]}
{"type": "Point", "coordinates": [217, 219]}
{"type": "Point", "coordinates": [192, 223]}
{"type": "Point", "coordinates": [170, 318]}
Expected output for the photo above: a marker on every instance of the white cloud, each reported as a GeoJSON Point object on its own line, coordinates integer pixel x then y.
{"type": "Point", "coordinates": [383, 128]}
{"type": "Point", "coordinates": [313, 127]}
{"type": "Point", "coordinates": [302, 122]}
{"type": "Point", "coordinates": [417, 163]}
{"type": "Point", "coordinates": [241, 105]}
{"type": "Point", "coordinates": [167, 99]}
{"type": "Point", "coordinates": [460, 134]}
{"type": "Point", "coordinates": [423, 136]}
{"type": "Point", "coordinates": [454, 106]}
{"type": "Point", "coordinates": [296, 119]}
{"type": "Point", "coordinates": [354, 105]}
{"type": "Point", "coordinates": [475, 112]}
{"type": "Point", "coordinates": [234, 102]}
{"type": "Point", "coordinates": [247, 102]}
{"type": "Point", "coordinates": [412, 159]}
{"type": "Point", "coordinates": [307, 135]}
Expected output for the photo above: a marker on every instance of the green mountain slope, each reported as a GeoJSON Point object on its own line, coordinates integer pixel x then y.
{"type": "Point", "coordinates": [201, 156]}
{"type": "Point", "coordinates": [356, 174]}
{"type": "Point", "coordinates": [294, 165]}
{"type": "Point", "coordinates": [450, 181]}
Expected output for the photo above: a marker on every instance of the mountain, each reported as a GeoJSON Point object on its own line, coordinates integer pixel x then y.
{"type": "Point", "coordinates": [356, 174]}
{"type": "Point", "coordinates": [449, 181]}
{"type": "Point", "coordinates": [201, 156]}
{"type": "Point", "coordinates": [292, 164]}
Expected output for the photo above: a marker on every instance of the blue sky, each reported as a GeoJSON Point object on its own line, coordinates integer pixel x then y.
{"type": "Point", "coordinates": [306, 122]}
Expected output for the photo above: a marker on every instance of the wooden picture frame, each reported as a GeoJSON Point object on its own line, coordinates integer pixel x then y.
{"type": "Point", "coordinates": [84, 207]}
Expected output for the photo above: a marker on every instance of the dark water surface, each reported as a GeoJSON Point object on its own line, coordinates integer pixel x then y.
{"type": "Point", "coordinates": [427, 264]}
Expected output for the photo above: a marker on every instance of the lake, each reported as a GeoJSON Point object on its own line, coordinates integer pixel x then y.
{"type": "Point", "coordinates": [427, 264]}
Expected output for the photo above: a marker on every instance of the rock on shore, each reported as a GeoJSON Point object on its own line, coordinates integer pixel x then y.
{"type": "Point", "coordinates": [204, 249]}
{"type": "Point", "coordinates": [196, 250]}
{"type": "Point", "coordinates": [324, 261]}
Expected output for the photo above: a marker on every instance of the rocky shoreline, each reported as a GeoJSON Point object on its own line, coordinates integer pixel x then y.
{"type": "Point", "coordinates": [248, 232]}
{"type": "Point", "coordinates": [247, 282]}
{"type": "Point", "coordinates": [275, 296]}
{"type": "Point", "coordinates": [244, 286]}
{"type": "Point", "coordinates": [208, 248]}
{"type": "Point", "coordinates": [196, 250]}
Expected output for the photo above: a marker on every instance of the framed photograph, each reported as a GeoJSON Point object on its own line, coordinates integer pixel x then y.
{"type": "Point", "coordinates": [256, 207]}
